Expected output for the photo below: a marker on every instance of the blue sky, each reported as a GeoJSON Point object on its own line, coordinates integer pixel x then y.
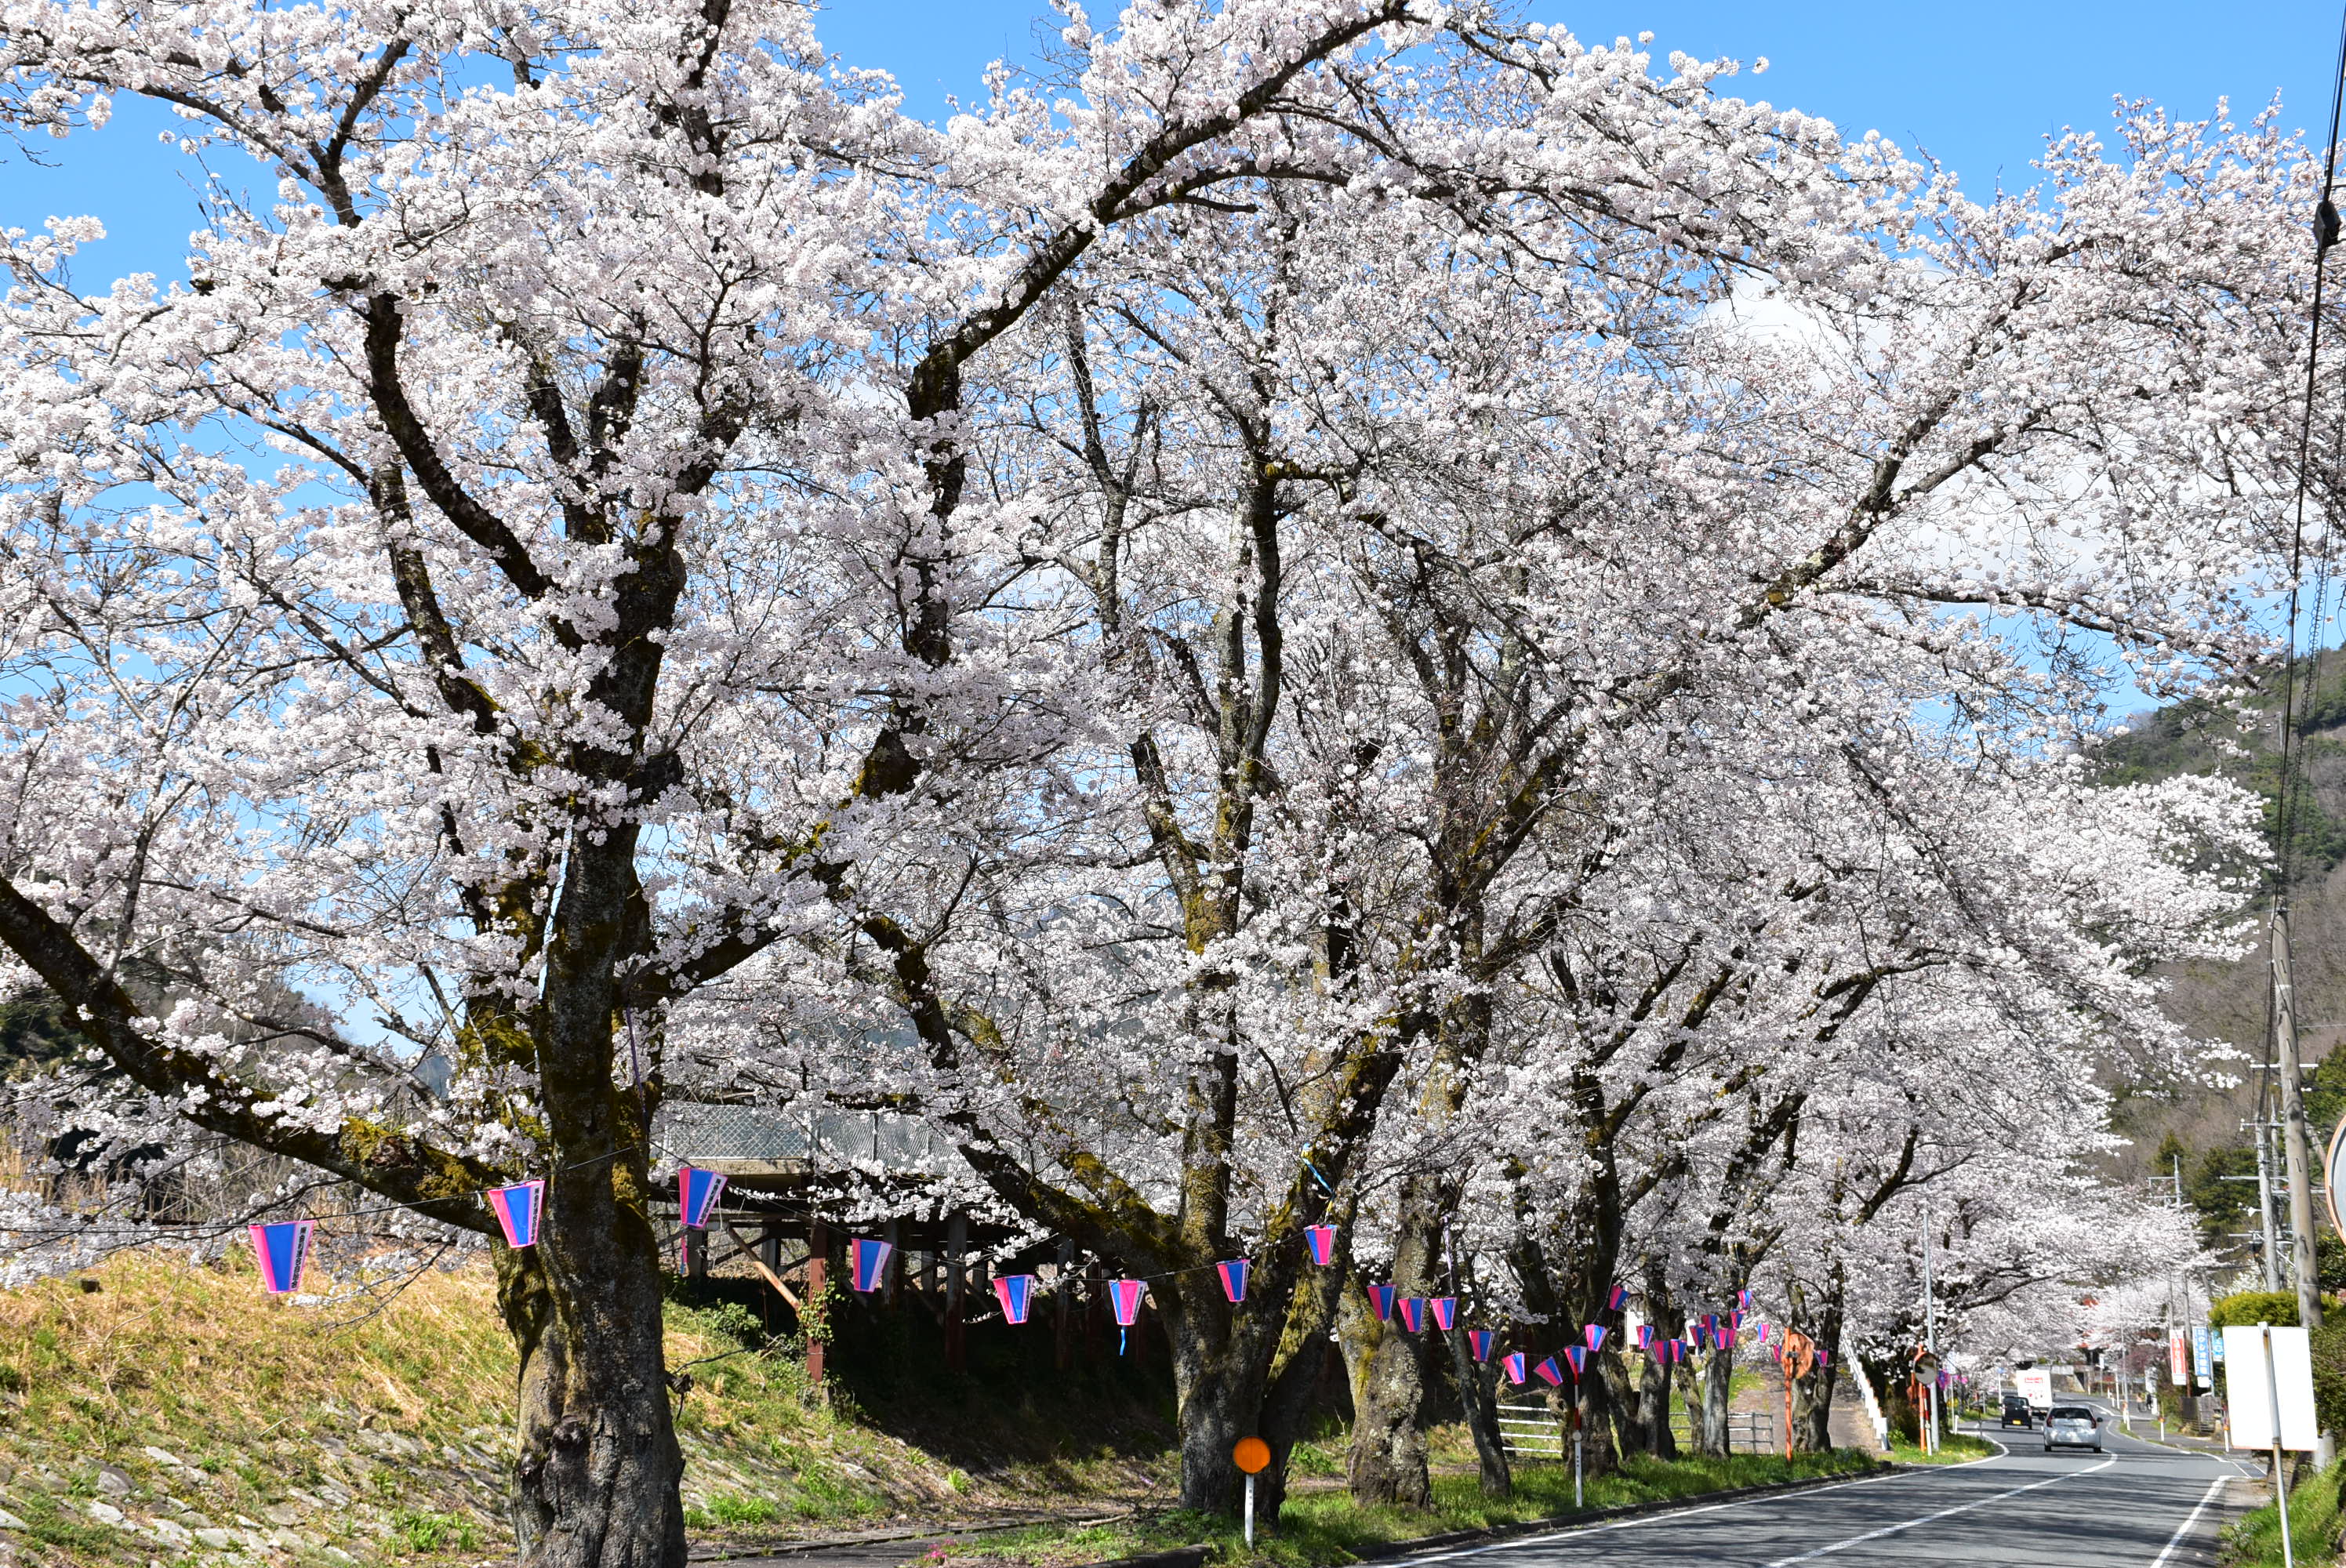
{"type": "Point", "coordinates": [1978, 84]}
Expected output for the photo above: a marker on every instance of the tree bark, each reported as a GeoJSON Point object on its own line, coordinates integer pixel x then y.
{"type": "Point", "coordinates": [1219, 1389]}
{"type": "Point", "coordinates": [1479, 1395]}
{"type": "Point", "coordinates": [1387, 1464]}
{"type": "Point", "coordinates": [596, 1482]}
{"type": "Point", "coordinates": [1711, 1435]}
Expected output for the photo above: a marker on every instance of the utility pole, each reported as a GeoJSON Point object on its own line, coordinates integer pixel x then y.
{"type": "Point", "coordinates": [2265, 1195]}
{"type": "Point", "coordinates": [2296, 1160]}
{"type": "Point", "coordinates": [1930, 1342]}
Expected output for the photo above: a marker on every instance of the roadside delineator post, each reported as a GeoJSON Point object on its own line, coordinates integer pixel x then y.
{"type": "Point", "coordinates": [1251, 1455]}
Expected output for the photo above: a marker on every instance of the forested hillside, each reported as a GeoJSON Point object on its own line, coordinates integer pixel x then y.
{"type": "Point", "coordinates": [2200, 1125]}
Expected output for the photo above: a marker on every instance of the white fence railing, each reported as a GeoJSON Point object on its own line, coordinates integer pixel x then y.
{"type": "Point", "coordinates": [1530, 1431]}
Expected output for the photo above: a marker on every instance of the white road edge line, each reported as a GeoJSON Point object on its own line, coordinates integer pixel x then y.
{"type": "Point", "coordinates": [2190, 1520]}
{"type": "Point", "coordinates": [1672, 1515]}
{"type": "Point", "coordinates": [1942, 1514]}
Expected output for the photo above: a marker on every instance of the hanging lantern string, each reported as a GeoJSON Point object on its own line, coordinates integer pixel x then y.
{"type": "Point", "coordinates": [67, 1232]}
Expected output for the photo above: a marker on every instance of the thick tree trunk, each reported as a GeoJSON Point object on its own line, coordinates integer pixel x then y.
{"type": "Point", "coordinates": [1608, 1402]}
{"type": "Point", "coordinates": [1813, 1410]}
{"type": "Point", "coordinates": [596, 1484]}
{"type": "Point", "coordinates": [1654, 1402]}
{"type": "Point", "coordinates": [1387, 1464]}
{"type": "Point", "coordinates": [1218, 1379]}
{"type": "Point", "coordinates": [1479, 1395]}
{"type": "Point", "coordinates": [1711, 1436]}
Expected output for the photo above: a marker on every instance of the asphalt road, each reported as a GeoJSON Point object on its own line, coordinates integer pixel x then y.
{"type": "Point", "coordinates": [2139, 1505]}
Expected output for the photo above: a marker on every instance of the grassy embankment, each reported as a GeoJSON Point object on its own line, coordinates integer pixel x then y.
{"type": "Point", "coordinates": [2315, 1517]}
{"type": "Point", "coordinates": [174, 1415]}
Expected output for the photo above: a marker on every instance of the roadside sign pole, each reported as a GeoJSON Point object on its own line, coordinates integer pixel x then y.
{"type": "Point", "coordinates": [2281, 1471]}
{"type": "Point", "coordinates": [1576, 1500]}
{"type": "Point", "coordinates": [1249, 1511]}
{"type": "Point", "coordinates": [1251, 1455]}
{"type": "Point", "coordinates": [1930, 1341]}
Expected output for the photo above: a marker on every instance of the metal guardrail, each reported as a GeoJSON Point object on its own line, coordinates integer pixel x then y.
{"type": "Point", "coordinates": [1530, 1431]}
{"type": "Point", "coordinates": [1747, 1431]}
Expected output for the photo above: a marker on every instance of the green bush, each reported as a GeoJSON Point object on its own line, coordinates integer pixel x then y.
{"type": "Point", "coordinates": [2249, 1308]}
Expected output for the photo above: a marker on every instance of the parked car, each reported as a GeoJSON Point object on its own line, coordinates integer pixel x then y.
{"type": "Point", "coordinates": [2071, 1426]}
{"type": "Point", "coordinates": [2016, 1411]}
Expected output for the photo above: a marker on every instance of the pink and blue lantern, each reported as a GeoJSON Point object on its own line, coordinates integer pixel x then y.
{"type": "Point", "coordinates": [1645, 1336]}
{"type": "Point", "coordinates": [1550, 1373]}
{"type": "Point", "coordinates": [696, 1192]}
{"type": "Point", "coordinates": [1743, 1300]}
{"type": "Point", "coordinates": [1380, 1301]}
{"type": "Point", "coordinates": [1514, 1366]}
{"type": "Point", "coordinates": [1478, 1340]}
{"type": "Point", "coordinates": [1595, 1335]}
{"type": "Point", "coordinates": [1735, 1322]}
{"type": "Point", "coordinates": [1413, 1313]}
{"type": "Point", "coordinates": [1233, 1271]}
{"type": "Point", "coordinates": [517, 1208]}
{"type": "Point", "coordinates": [1321, 1240]}
{"type": "Point", "coordinates": [1617, 1297]}
{"type": "Point", "coordinates": [1677, 1350]}
{"type": "Point", "coordinates": [281, 1249]}
{"type": "Point", "coordinates": [1016, 1293]}
{"type": "Point", "coordinates": [1576, 1358]}
{"type": "Point", "coordinates": [867, 1261]}
{"type": "Point", "coordinates": [1124, 1300]}
{"type": "Point", "coordinates": [1824, 1358]}
{"type": "Point", "coordinates": [1445, 1312]}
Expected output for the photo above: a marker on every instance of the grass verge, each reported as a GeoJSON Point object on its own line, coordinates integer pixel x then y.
{"type": "Point", "coordinates": [1322, 1527]}
{"type": "Point", "coordinates": [1960, 1448]}
{"type": "Point", "coordinates": [2253, 1540]}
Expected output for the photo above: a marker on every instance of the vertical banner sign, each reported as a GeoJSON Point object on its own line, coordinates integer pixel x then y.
{"type": "Point", "coordinates": [1576, 1356]}
{"type": "Point", "coordinates": [2176, 1370]}
{"type": "Point", "coordinates": [1124, 1297]}
{"type": "Point", "coordinates": [1016, 1293]}
{"type": "Point", "coordinates": [1233, 1272]}
{"type": "Point", "coordinates": [1550, 1373]}
{"type": "Point", "coordinates": [517, 1208]}
{"type": "Point", "coordinates": [2203, 1361]}
{"type": "Point", "coordinates": [1479, 1341]}
{"type": "Point", "coordinates": [1413, 1313]}
{"type": "Point", "coordinates": [1321, 1240]}
{"type": "Point", "coordinates": [1617, 1297]}
{"type": "Point", "coordinates": [281, 1249]}
{"type": "Point", "coordinates": [1445, 1312]}
{"type": "Point", "coordinates": [1595, 1335]}
{"type": "Point", "coordinates": [1514, 1364]}
{"type": "Point", "coordinates": [867, 1262]}
{"type": "Point", "coordinates": [1380, 1301]}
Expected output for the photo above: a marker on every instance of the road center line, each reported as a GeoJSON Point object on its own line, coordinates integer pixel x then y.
{"type": "Point", "coordinates": [2188, 1521]}
{"type": "Point", "coordinates": [1942, 1514]}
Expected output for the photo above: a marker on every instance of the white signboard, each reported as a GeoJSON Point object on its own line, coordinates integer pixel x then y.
{"type": "Point", "coordinates": [2035, 1384]}
{"type": "Point", "coordinates": [2250, 1386]}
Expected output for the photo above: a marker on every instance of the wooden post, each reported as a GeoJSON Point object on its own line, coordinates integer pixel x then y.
{"type": "Point", "coordinates": [1094, 1310]}
{"type": "Point", "coordinates": [1064, 1286]}
{"type": "Point", "coordinates": [696, 1254]}
{"type": "Point", "coordinates": [818, 1272]}
{"type": "Point", "coordinates": [892, 1277]}
{"type": "Point", "coordinates": [770, 1253]}
{"type": "Point", "coordinates": [957, 1274]}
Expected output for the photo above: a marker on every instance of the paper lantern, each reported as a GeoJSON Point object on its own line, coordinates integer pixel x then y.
{"type": "Point", "coordinates": [1234, 1276]}
{"type": "Point", "coordinates": [1479, 1341]}
{"type": "Point", "coordinates": [1380, 1301]}
{"type": "Point", "coordinates": [1550, 1373]}
{"type": "Point", "coordinates": [1617, 1297]}
{"type": "Point", "coordinates": [1645, 1336]}
{"type": "Point", "coordinates": [1413, 1313]}
{"type": "Point", "coordinates": [1595, 1335]}
{"type": "Point", "coordinates": [281, 1249]}
{"type": "Point", "coordinates": [1124, 1300]}
{"type": "Point", "coordinates": [517, 1208]}
{"type": "Point", "coordinates": [1445, 1312]}
{"type": "Point", "coordinates": [1015, 1291]}
{"type": "Point", "coordinates": [696, 1192]}
{"type": "Point", "coordinates": [1678, 1350]}
{"type": "Point", "coordinates": [1576, 1356]}
{"type": "Point", "coordinates": [1743, 1300]}
{"type": "Point", "coordinates": [1824, 1358]}
{"type": "Point", "coordinates": [867, 1262]}
{"type": "Point", "coordinates": [1514, 1365]}
{"type": "Point", "coordinates": [1735, 1322]}
{"type": "Point", "coordinates": [1321, 1240]}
